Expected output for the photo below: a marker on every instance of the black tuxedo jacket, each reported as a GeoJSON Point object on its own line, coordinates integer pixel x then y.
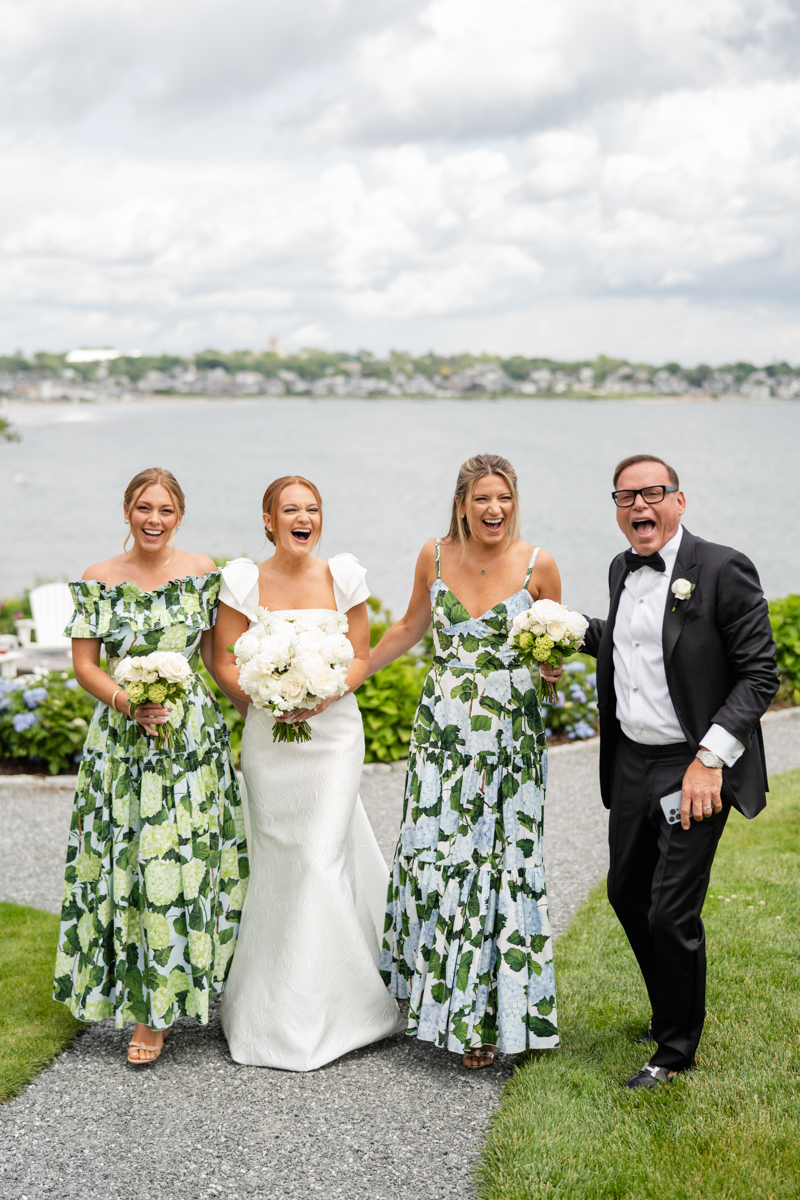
{"type": "Point", "coordinates": [719, 656]}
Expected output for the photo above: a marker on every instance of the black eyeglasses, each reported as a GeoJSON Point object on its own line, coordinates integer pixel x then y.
{"type": "Point", "coordinates": [650, 495]}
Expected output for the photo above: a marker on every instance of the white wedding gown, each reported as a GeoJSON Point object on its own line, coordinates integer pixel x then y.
{"type": "Point", "coordinates": [304, 987]}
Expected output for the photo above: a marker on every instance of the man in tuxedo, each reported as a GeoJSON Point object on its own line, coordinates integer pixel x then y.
{"type": "Point", "coordinates": [685, 670]}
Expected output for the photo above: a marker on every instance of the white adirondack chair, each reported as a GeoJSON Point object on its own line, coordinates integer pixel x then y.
{"type": "Point", "coordinates": [52, 607]}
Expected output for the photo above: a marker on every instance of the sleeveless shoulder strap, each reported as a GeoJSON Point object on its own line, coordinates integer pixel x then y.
{"type": "Point", "coordinates": [531, 566]}
{"type": "Point", "coordinates": [438, 567]}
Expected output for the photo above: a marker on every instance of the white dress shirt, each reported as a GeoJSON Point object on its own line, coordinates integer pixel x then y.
{"type": "Point", "coordinates": [644, 706]}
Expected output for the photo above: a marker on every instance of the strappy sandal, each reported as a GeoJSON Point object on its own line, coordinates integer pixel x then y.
{"type": "Point", "coordinates": [154, 1050]}
{"type": "Point", "coordinates": [484, 1055]}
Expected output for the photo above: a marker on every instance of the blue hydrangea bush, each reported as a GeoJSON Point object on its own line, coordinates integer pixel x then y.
{"type": "Point", "coordinates": [44, 719]}
{"type": "Point", "coordinates": [574, 711]}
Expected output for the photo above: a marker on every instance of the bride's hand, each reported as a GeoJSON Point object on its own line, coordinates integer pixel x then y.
{"type": "Point", "coordinates": [302, 714]}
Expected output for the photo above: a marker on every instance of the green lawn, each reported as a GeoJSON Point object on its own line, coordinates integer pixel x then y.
{"type": "Point", "coordinates": [729, 1130]}
{"type": "Point", "coordinates": [33, 1028]}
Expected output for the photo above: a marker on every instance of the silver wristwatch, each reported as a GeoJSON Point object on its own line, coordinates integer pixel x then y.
{"type": "Point", "coordinates": [709, 759]}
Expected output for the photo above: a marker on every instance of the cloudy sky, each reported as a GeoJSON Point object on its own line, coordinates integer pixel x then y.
{"type": "Point", "coordinates": [566, 179]}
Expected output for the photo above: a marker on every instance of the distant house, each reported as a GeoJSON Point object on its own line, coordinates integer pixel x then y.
{"type": "Point", "coordinates": [106, 355]}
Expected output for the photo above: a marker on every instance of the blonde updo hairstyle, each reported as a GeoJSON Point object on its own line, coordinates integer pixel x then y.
{"type": "Point", "coordinates": [469, 475]}
{"type": "Point", "coordinates": [144, 480]}
{"type": "Point", "coordinates": [272, 499]}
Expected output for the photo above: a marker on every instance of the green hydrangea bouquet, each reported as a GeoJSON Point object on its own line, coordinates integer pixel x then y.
{"type": "Point", "coordinates": [158, 678]}
{"type": "Point", "coordinates": [547, 632]}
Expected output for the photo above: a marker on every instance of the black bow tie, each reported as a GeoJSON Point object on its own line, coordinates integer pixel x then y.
{"type": "Point", "coordinates": [634, 561]}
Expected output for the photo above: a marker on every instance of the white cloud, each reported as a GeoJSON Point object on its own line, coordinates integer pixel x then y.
{"type": "Point", "coordinates": [468, 69]}
{"type": "Point", "coordinates": [176, 62]}
{"type": "Point", "coordinates": [463, 172]}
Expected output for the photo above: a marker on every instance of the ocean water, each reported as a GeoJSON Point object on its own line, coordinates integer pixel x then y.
{"type": "Point", "coordinates": [386, 470]}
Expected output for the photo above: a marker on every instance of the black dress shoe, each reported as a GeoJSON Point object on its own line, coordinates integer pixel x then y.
{"type": "Point", "coordinates": [650, 1077]}
{"type": "Point", "coordinates": [647, 1036]}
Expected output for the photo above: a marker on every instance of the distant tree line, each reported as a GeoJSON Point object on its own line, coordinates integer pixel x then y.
{"type": "Point", "coordinates": [312, 364]}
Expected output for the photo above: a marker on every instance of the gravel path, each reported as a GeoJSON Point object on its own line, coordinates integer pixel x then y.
{"type": "Point", "coordinates": [399, 1118]}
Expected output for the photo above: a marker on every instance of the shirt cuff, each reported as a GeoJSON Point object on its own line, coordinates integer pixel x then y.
{"type": "Point", "coordinates": [723, 744]}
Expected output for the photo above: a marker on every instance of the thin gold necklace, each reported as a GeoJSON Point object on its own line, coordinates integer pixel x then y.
{"type": "Point", "coordinates": [478, 561]}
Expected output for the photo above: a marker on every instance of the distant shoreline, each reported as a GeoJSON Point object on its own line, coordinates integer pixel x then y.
{"type": "Point", "coordinates": [16, 404]}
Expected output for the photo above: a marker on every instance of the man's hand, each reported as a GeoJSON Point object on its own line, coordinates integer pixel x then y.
{"type": "Point", "coordinates": [551, 674]}
{"type": "Point", "coordinates": [701, 793]}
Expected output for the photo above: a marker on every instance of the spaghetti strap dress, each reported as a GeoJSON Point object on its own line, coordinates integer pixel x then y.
{"type": "Point", "coordinates": [467, 938]}
{"type": "Point", "coordinates": [156, 869]}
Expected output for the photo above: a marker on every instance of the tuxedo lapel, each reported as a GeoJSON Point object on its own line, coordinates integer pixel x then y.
{"type": "Point", "coordinates": [606, 656]}
{"type": "Point", "coordinates": [686, 567]}
{"type": "Point", "coordinates": [616, 591]}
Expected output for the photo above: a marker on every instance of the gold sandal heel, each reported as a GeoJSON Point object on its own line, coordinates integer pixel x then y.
{"type": "Point", "coordinates": [154, 1050]}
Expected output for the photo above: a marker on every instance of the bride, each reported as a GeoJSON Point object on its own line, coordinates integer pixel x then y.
{"type": "Point", "coordinates": [304, 986]}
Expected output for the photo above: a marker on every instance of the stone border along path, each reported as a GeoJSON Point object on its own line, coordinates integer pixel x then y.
{"type": "Point", "coordinates": [396, 1119]}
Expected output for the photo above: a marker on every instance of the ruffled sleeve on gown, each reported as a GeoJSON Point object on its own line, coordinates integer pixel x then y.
{"type": "Point", "coordinates": [239, 588]}
{"type": "Point", "coordinates": [349, 581]}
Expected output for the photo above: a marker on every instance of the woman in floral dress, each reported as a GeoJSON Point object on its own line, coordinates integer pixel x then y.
{"type": "Point", "coordinates": [467, 936]}
{"type": "Point", "coordinates": [156, 864]}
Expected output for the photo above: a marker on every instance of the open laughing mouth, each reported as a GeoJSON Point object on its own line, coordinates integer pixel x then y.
{"type": "Point", "coordinates": [493, 523]}
{"type": "Point", "coordinates": [644, 526]}
{"type": "Point", "coordinates": [301, 535]}
{"type": "Point", "coordinates": [152, 535]}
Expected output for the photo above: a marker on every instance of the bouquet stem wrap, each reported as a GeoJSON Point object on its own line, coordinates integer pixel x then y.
{"type": "Point", "coordinates": [291, 731]}
{"type": "Point", "coordinates": [290, 663]}
{"type": "Point", "coordinates": [547, 632]}
{"type": "Point", "coordinates": [160, 678]}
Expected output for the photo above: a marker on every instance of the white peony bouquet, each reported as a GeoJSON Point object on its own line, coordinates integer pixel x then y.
{"type": "Point", "coordinates": [157, 678]}
{"type": "Point", "coordinates": [547, 632]}
{"type": "Point", "coordinates": [286, 663]}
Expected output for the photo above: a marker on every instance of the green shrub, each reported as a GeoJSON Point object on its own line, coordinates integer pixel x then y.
{"type": "Point", "coordinates": [7, 431]}
{"type": "Point", "coordinates": [785, 617]}
{"type": "Point", "coordinates": [388, 701]}
{"type": "Point", "coordinates": [44, 719]}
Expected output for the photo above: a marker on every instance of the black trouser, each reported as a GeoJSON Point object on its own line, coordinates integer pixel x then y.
{"type": "Point", "coordinates": [657, 884]}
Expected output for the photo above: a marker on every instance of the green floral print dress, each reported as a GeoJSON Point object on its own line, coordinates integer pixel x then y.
{"type": "Point", "coordinates": [467, 936]}
{"type": "Point", "coordinates": [157, 867]}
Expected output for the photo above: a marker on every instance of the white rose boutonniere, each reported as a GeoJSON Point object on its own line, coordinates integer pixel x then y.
{"type": "Point", "coordinates": [681, 590]}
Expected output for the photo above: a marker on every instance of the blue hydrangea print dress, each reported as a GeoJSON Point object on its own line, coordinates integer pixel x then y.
{"type": "Point", "coordinates": [157, 867]}
{"type": "Point", "coordinates": [467, 936]}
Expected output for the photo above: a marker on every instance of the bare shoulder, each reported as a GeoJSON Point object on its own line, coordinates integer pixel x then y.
{"type": "Point", "coordinates": [545, 581]}
{"type": "Point", "coordinates": [524, 552]}
{"type": "Point", "coordinates": [426, 562]}
{"type": "Point", "coordinates": [544, 561]}
{"type": "Point", "coordinates": [198, 564]}
{"type": "Point", "coordinates": [104, 572]}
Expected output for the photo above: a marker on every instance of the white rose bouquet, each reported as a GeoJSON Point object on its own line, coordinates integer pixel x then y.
{"type": "Point", "coordinates": [156, 677]}
{"type": "Point", "coordinates": [547, 632]}
{"type": "Point", "coordinates": [287, 663]}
